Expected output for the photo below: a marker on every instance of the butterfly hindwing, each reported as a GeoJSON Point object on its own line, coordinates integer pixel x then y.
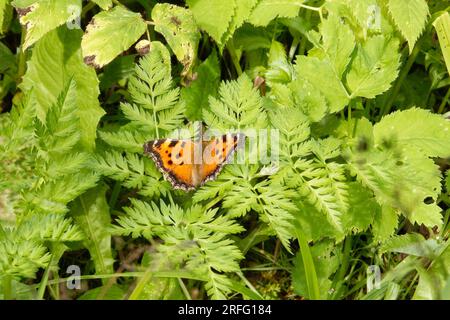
{"type": "Point", "coordinates": [215, 154]}
{"type": "Point", "coordinates": [174, 159]}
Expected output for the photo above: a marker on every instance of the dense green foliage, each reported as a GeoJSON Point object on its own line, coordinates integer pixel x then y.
{"type": "Point", "coordinates": [357, 91]}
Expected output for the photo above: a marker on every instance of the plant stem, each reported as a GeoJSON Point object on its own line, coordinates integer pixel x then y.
{"type": "Point", "coordinates": [234, 58]}
{"type": "Point", "coordinates": [184, 289]}
{"type": "Point", "coordinates": [44, 280]}
{"type": "Point", "coordinates": [22, 57]}
{"type": "Point", "coordinates": [141, 285]}
{"type": "Point", "coordinates": [339, 279]}
{"type": "Point", "coordinates": [87, 8]}
{"type": "Point", "coordinates": [115, 194]}
{"type": "Point", "coordinates": [444, 102]}
{"type": "Point", "coordinates": [293, 48]}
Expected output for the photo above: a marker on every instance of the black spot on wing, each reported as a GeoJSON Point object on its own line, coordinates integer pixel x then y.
{"type": "Point", "coordinates": [159, 142]}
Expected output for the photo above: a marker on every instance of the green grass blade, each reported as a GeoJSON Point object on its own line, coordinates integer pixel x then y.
{"type": "Point", "coordinates": [442, 26]}
{"type": "Point", "coordinates": [310, 270]}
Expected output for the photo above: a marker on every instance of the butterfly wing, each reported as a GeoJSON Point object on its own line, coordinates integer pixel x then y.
{"type": "Point", "coordinates": [174, 159]}
{"type": "Point", "coordinates": [216, 153]}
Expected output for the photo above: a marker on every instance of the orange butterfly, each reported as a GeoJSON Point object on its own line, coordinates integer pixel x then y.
{"type": "Point", "coordinates": [188, 164]}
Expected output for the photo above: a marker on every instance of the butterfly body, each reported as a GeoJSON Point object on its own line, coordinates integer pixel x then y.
{"type": "Point", "coordinates": [188, 164]}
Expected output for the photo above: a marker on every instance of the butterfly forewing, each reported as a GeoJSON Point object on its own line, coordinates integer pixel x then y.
{"type": "Point", "coordinates": [174, 159]}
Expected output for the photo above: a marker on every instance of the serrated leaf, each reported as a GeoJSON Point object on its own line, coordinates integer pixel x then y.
{"type": "Point", "coordinates": [104, 4]}
{"type": "Point", "coordinates": [419, 185]}
{"type": "Point", "coordinates": [267, 10]}
{"type": "Point", "coordinates": [243, 11]}
{"type": "Point", "coordinates": [362, 209]}
{"type": "Point", "coordinates": [207, 83]}
{"type": "Point", "coordinates": [178, 27]}
{"type": "Point", "coordinates": [374, 68]}
{"type": "Point", "coordinates": [56, 58]}
{"type": "Point", "coordinates": [410, 16]}
{"type": "Point", "coordinates": [417, 128]}
{"type": "Point", "coordinates": [40, 17]}
{"type": "Point", "coordinates": [91, 213]}
{"type": "Point", "coordinates": [315, 71]}
{"type": "Point", "coordinates": [385, 223]}
{"type": "Point", "coordinates": [314, 224]}
{"type": "Point", "coordinates": [109, 34]}
{"type": "Point", "coordinates": [213, 16]}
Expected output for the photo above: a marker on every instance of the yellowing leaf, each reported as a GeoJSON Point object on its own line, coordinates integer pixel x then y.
{"type": "Point", "coordinates": [109, 34]}
{"type": "Point", "coordinates": [40, 17]}
{"type": "Point", "coordinates": [178, 27]}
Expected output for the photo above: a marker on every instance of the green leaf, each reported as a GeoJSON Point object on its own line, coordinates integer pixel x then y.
{"type": "Point", "coordinates": [362, 209]}
{"type": "Point", "coordinates": [267, 10]}
{"type": "Point", "coordinates": [207, 83]}
{"type": "Point", "coordinates": [120, 69]}
{"type": "Point", "coordinates": [412, 244]}
{"type": "Point", "coordinates": [374, 68]}
{"type": "Point", "coordinates": [314, 224]}
{"type": "Point", "coordinates": [385, 223]}
{"type": "Point", "coordinates": [367, 14]}
{"type": "Point", "coordinates": [7, 59]}
{"type": "Point", "coordinates": [315, 71]}
{"type": "Point", "coordinates": [325, 262]}
{"type": "Point", "coordinates": [56, 59]}
{"type": "Point", "coordinates": [5, 15]}
{"type": "Point", "coordinates": [113, 292]}
{"type": "Point", "coordinates": [21, 258]}
{"type": "Point", "coordinates": [156, 102]}
{"type": "Point", "coordinates": [338, 43]}
{"type": "Point", "coordinates": [213, 16]}
{"type": "Point", "coordinates": [178, 27]}
{"type": "Point", "coordinates": [91, 213]}
{"type": "Point", "coordinates": [243, 11]}
{"type": "Point", "coordinates": [109, 34]}
{"type": "Point", "coordinates": [442, 26]}
{"type": "Point", "coordinates": [104, 4]}
{"type": "Point", "coordinates": [239, 106]}
{"type": "Point", "coordinates": [279, 69]}
{"type": "Point", "coordinates": [40, 17]}
{"type": "Point", "coordinates": [434, 281]}
{"type": "Point", "coordinates": [410, 16]}
{"type": "Point", "coordinates": [419, 184]}
{"type": "Point", "coordinates": [415, 128]}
